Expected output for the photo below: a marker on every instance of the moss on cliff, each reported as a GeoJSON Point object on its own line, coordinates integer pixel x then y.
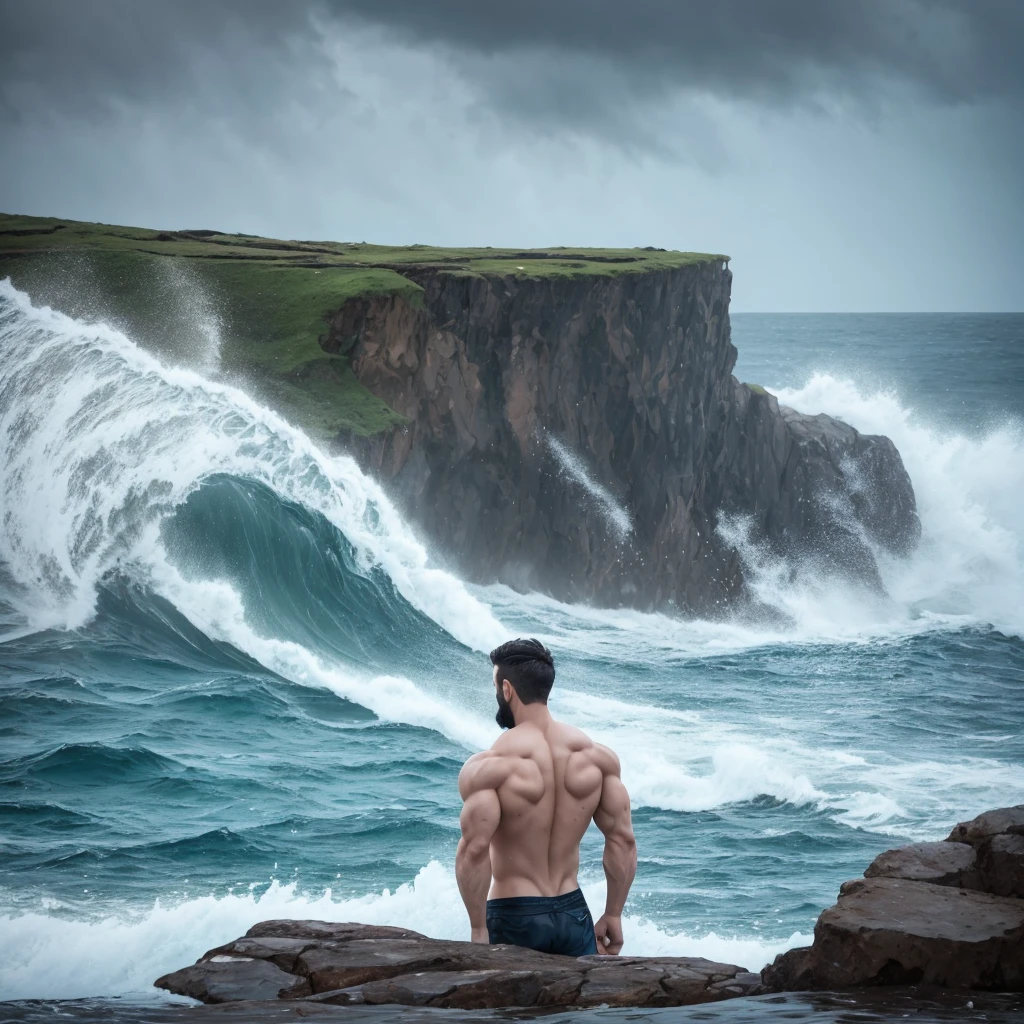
{"type": "Point", "coordinates": [273, 298]}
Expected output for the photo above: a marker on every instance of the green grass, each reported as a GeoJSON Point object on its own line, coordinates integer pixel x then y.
{"type": "Point", "coordinates": [758, 390]}
{"type": "Point", "coordinates": [273, 298]}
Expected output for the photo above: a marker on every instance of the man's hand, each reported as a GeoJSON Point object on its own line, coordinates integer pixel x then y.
{"type": "Point", "coordinates": [608, 932]}
{"type": "Point", "coordinates": [480, 935]}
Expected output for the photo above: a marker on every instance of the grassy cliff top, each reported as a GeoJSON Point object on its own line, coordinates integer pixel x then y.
{"type": "Point", "coordinates": [32, 234]}
{"type": "Point", "coordinates": [269, 299]}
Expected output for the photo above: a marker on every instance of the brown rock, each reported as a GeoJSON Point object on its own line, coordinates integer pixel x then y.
{"type": "Point", "coordinates": [425, 987]}
{"type": "Point", "coordinates": [687, 986]}
{"type": "Point", "coordinates": [893, 931]}
{"type": "Point", "coordinates": [233, 980]}
{"type": "Point", "coordinates": [337, 965]}
{"type": "Point", "coordinates": [561, 991]}
{"type": "Point", "coordinates": [745, 983]}
{"type": "Point", "coordinates": [511, 988]}
{"type": "Point", "coordinates": [792, 971]}
{"type": "Point", "coordinates": [748, 981]}
{"type": "Point", "coordinates": [945, 863]}
{"type": "Point", "coordinates": [991, 823]}
{"type": "Point", "coordinates": [624, 985]}
{"type": "Point", "coordinates": [342, 965]}
{"type": "Point", "coordinates": [331, 930]}
{"type": "Point", "coordinates": [281, 952]}
{"type": "Point", "coordinates": [464, 990]}
{"type": "Point", "coordinates": [334, 965]}
{"type": "Point", "coordinates": [1001, 860]}
{"type": "Point", "coordinates": [851, 886]}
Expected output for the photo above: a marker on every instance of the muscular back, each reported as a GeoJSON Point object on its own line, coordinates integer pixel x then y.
{"type": "Point", "coordinates": [534, 793]}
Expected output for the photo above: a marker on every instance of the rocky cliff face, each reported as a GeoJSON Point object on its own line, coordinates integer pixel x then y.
{"type": "Point", "coordinates": [585, 436]}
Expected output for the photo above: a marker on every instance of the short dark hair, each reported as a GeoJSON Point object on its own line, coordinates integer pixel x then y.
{"type": "Point", "coordinates": [528, 666]}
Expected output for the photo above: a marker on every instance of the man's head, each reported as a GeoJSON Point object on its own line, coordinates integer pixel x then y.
{"type": "Point", "coordinates": [525, 670]}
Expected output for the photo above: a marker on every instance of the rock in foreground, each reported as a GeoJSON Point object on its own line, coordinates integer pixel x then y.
{"type": "Point", "coordinates": [349, 964]}
{"type": "Point", "coordinates": [948, 914]}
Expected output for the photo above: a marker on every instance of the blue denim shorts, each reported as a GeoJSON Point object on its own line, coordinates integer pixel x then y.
{"type": "Point", "coordinates": [549, 924]}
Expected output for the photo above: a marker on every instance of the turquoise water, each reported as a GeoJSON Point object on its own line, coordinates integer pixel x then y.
{"type": "Point", "coordinates": [234, 685]}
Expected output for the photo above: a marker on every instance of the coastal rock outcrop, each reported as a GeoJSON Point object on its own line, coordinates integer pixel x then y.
{"type": "Point", "coordinates": [357, 964]}
{"type": "Point", "coordinates": [584, 436]}
{"type": "Point", "coordinates": [948, 914]}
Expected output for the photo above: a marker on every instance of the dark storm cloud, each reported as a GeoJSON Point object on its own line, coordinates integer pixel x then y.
{"type": "Point", "coordinates": [77, 57]}
{"type": "Point", "coordinates": [575, 62]}
{"type": "Point", "coordinates": [849, 154]}
{"type": "Point", "coordinates": [956, 50]}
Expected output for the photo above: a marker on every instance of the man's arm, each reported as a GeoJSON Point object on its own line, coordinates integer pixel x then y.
{"type": "Point", "coordinates": [481, 813]}
{"type": "Point", "coordinates": [613, 819]}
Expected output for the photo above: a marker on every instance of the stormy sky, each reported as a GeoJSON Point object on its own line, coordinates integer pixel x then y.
{"type": "Point", "coordinates": [847, 154]}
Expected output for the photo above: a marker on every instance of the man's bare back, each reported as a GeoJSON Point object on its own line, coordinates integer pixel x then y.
{"type": "Point", "coordinates": [527, 803]}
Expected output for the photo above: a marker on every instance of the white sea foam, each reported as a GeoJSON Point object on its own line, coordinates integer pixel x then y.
{"type": "Point", "coordinates": [969, 566]}
{"type": "Point", "coordinates": [685, 761]}
{"type": "Point", "coordinates": [46, 954]}
{"type": "Point", "coordinates": [682, 761]}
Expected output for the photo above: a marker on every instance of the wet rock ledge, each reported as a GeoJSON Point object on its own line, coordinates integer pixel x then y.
{"type": "Point", "coordinates": [947, 915]}
{"type": "Point", "coordinates": [351, 964]}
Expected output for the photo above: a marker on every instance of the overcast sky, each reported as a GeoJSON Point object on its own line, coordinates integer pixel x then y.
{"type": "Point", "coordinates": [847, 154]}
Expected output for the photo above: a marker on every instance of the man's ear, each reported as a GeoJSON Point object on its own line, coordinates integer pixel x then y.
{"type": "Point", "coordinates": [507, 691]}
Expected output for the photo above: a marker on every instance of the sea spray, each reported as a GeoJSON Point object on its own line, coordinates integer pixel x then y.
{"type": "Point", "coordinates": [572, 465]}
{"type": "Point", "coordinates": [196, 309]}
{"type": "Point", "coordinates": [969, 565]}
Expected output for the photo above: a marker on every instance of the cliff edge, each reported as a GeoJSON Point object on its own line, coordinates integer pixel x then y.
{"type": "Point", "coordinates": [585, 437]}
{"type": "Point", "coordinates": [558, 420]}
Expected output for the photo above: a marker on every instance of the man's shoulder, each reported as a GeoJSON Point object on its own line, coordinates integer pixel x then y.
{"type": "Point", "coordinates": [485, 770]}
{"type": "Point", "coordinates": [490, 768]}
{"type": "Point", "coordinates": [575, 739]}
{"type": "Point", "coordinates": [578, 742]}
{"type": "Point", "coordinates": [603, 757]}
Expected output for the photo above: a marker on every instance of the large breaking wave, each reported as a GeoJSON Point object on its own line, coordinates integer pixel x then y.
{"type": "Point", "coordinates": [114, 465]}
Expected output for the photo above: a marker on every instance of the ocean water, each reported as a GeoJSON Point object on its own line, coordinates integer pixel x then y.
{"type": "Point", "coordinates": [235, 686]}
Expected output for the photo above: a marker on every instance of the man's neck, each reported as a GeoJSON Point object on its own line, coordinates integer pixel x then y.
{"type": "Point", "coordinates": [535, 714]}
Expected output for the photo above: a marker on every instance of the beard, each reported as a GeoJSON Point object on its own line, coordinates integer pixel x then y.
{"type": "Point", "coordinates": [504, 715]}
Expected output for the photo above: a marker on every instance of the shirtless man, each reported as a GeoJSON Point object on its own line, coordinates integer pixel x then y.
{"type": "Point", "coordinates": [527, 802]}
